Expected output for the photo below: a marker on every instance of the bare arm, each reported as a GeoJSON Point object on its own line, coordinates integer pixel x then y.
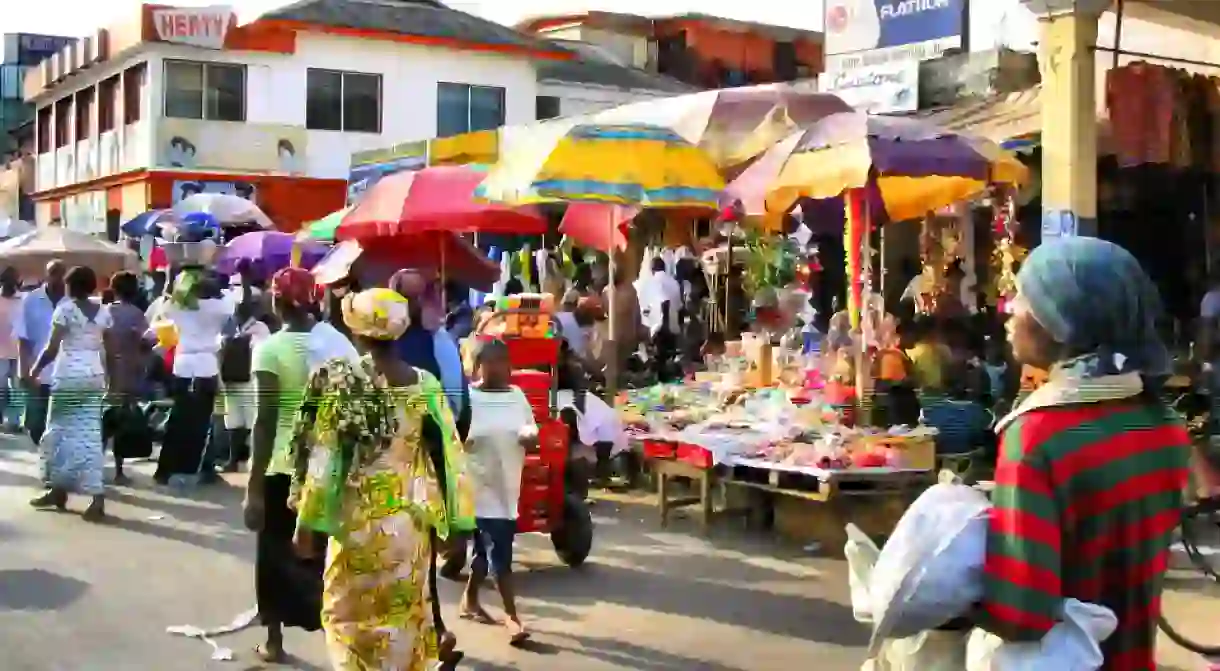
{"type": "Point", "coordinates": [49, 352]}
{"type": "Point", "coordinates": [266, 418]}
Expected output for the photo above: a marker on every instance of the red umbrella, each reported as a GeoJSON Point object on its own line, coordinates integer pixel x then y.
{"type": "Point", "coordinates": [426, 251]}
{"type": "Point", "coordinates": [439, 198]}
{"type": "Point", "coordinates": [599, 226]}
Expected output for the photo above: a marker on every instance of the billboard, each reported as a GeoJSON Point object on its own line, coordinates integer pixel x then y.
{"type": "Point", "coordinates": [855, 26]}
{"type": "Point", "coordinates": [30, 49]}
{"type": "Point", "coordinates": [367, 167]}
{"type": "Point", "coordinates": [877, 89]}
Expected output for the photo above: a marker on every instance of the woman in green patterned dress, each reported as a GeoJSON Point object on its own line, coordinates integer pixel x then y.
{"type": "Point", "coordinates": [365, 478]}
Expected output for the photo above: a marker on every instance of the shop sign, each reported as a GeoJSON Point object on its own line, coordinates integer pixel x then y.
{"type": "Point", "coordinates": [368, 167]}
{"type": "Point", "coordinates": [33, 49]}
{"type": "Point", "coordinates": [185, 188]}
{"type": "Point", "coordinates": [864, 25]}
{"type": "Point", "coordinates": [204, 27]}
{"type": "Point", "coordinates": [880, 89]}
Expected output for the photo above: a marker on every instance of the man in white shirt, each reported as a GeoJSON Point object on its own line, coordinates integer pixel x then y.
{"type": "Point", "coordinates": [661, 305]}
{"type": "Point", "coordinates": [237, 383]}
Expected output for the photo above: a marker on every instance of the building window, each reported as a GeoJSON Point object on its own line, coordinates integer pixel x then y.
{"type": "Point", "coordinates": [11, 79]}
{"type": "Point", "coordinates": [107, 103]}
{"type": "Point", "coordinates": [546, 107]}
{"type": "Point", "coordinates": [463, 108]}
{"type": "Point", "coordinates": [133, 92]}
{"type": "Point", "coordinates": [212, 91]}
{"type": "Point", "coordinates": [84, 114]}
{"type": "Point", "coordinates": [346, 101]}
{"type": "Point", "coordinates": [43, 130]}
{"type": "Point", "coordinates": [63, 122]}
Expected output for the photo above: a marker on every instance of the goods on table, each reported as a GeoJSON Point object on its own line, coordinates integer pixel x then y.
{"type": "Point", "coordinates": [840, 448]}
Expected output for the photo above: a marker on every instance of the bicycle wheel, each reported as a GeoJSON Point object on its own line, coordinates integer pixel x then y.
{"type": "Point", "coordinates": [1200, 528]}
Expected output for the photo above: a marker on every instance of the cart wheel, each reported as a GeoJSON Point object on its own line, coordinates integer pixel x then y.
{"type": "Point", "coordinates": [574, 539]}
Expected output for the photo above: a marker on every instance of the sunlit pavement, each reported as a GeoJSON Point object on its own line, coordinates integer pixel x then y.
{"type": "Point", "coordinates": [81, 597]}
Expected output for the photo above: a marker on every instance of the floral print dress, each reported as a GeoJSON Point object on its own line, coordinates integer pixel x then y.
{"type": "Point", "coordinates": [365, 479]}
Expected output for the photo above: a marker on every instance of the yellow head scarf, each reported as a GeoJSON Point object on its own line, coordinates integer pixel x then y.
{"type": "Point", "coordinates": [381, 314]}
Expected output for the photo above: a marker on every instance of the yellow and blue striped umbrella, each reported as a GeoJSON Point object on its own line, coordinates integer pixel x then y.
{"type": "Point", "coordinates": [629, 164]}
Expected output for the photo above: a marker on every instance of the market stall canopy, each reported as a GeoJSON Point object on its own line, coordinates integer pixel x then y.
{"type": "Point", "coordinates": [637, 165]}
{"type": "Point", "coordinates": [269, 250]}
{"type": "Point", "coordinates": [449, 255]}
{"type": "Point", "coordinates": [323, 230]}
{"type": "Point", "coordinates": [916, 167]}
{"type": "Point", "coordinates": [440, 198]}
{"type": "Point", "coordinates": [227, 208]}
{"type": "Point", "coordinates": [11, 228]}
{"type": "Point", "coordinates": [30, 253]}
{"type": "Point", "coordinates": [1014, 121]}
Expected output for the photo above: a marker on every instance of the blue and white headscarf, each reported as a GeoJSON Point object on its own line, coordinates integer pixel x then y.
{"type": "Point", "coordinates": [1093, 297]}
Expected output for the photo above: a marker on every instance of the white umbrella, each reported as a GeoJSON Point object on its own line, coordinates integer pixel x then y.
{"type": "Point", "coordinates": [11, 228]}
{"type": "Point", "coordinates": [227, 208]}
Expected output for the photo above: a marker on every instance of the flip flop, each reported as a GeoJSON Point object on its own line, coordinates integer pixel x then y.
{"type": "Point", "coordinates": [518, 633]}
{"type": "Point", "coordinates": [480, 617]}
{"type": "Point", "coordinates": [268, 657]}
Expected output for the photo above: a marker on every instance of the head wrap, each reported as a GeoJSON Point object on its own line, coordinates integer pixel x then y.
{"type": "Point", "coordinates": [1093, 297]}
{"type": "Point", "coordinates": [294, 285]}
{"type": "Point", "coordinates": [381, 314]}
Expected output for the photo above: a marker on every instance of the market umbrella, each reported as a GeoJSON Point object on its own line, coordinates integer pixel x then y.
{"type": "Point", "coordinates": [376, 262]}
{"type": "Point", "coordinates": [227, 208]}
{"type": "Point", "coordinates": [323, 230]}
{"type": "Point", "coordinates": [147, 223]}
{"type": "Point", "coordinates": [439, 198]}
{"type": "Point", "coordinates": [913, 166]}
{"type": "Point", "coordinates": [30, 253]}
{"type": "Point", "coordinates": [730, 125]}
{"type": "Point", "coordinates": [632, 166]}
{"type": "Point", "coordinates": [272, 250]}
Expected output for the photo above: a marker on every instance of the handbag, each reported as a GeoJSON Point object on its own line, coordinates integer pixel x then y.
{"type": "Point", "coordinates": [236, 358]}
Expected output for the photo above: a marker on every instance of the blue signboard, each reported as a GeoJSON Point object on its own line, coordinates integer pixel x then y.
{"type": "Point", "coordinates": [363, 176]}
{"type": "Point", "coordinates": [861, 25]}
{"type": "Point", "coordinates": [33, 49]}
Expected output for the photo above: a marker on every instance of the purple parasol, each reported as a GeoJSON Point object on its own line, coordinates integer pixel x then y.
{"type": "Point", "coordinates": [270, 250]}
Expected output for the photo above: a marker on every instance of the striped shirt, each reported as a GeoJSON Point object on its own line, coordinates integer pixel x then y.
{"type": "Point", "coordinates": [1086, 499]}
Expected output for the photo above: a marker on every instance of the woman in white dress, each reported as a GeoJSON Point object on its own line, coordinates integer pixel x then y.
{"type": "Point", "coordinates": [71, 449]}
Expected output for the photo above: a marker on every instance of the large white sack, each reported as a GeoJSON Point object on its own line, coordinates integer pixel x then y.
{"type": "Point", "coordinates": [931, 568]}
{"type": "Point", "coordinates": [1072, 645]}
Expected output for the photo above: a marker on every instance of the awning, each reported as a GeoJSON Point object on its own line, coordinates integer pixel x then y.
{"type": "Point", "coordinates": [1013, 120]}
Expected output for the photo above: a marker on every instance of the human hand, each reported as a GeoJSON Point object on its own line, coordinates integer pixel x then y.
{"type": "Point", "coordinates": [253, 512]}
{"type": "Point", "coordinates": [303, 543]}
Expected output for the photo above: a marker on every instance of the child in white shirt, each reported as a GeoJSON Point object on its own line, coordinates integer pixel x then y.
{"type": "Point", "coordinates": [502, 428]}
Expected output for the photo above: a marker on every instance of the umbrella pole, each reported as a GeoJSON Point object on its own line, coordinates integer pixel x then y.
{"type": "Point", "coordinates": [611, 324]}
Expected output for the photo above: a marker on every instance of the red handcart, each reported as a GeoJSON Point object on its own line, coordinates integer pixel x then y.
{"type": "Point", "coordinates": [547, 505]}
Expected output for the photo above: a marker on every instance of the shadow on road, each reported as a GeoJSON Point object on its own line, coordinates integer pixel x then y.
{"type": "Point", "coordinates": [783, 615]}
{"type": "Point", "coordinates": [628, 656]}
{"type": "Point", "coordinates": [35, 589]}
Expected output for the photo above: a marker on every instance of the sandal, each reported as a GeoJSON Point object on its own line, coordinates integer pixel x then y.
{"type": "Point", "coordinates": [517, 632]}
{"type": "Point", "coordinates": [447, 653]}
{"type": "Point", "coordinates": [52, 498]}
{"type": "Point", "coordinates": [96, 512]}
{"type": "Point", "coordinates": [479, 616]}
{"type": "Point", "coordinates": [269, 656]}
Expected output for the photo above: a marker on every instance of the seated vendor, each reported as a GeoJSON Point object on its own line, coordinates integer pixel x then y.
{"type": "Point", "coordinates": [963, 424]}
{"type": "Point", "coordinates": [594, 426]}
{"type": "Point", "coordinates": [928, 356]}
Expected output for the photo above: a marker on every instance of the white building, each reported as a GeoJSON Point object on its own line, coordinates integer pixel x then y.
{"type": "Point", "coordinates": [595, 81]}
{"type": "Point", "coordinates": [179, 99]}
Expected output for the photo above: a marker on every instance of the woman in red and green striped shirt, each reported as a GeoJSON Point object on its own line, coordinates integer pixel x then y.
{"type": "Point", "coordinates": [1092, 465]}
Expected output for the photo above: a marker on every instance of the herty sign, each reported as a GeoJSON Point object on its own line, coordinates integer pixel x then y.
{"type": "Point", "coordinates": [854, 26]}
{"type": "Point", "coordinates": [204, 27]}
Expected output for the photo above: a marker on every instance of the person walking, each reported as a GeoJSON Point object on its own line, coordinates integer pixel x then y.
{"type": "Point", "coordinates": [10, 347]}
{"type": "Point", "coordinates": [71, 449]}
{"type": "Point", "coordinates": [33, 331]}
{"type": "Point", "coordinates": [127, 361]}
{"type": "Point", "coordinates": [236, 378]}
{"type": "Point", "coordinates": [288, 587]}
{"type": "Point", "coordinates": [1092, 465]}
{"type": "Point", "coordinates": [502, 428]}
{"type": "Point", "coordinates": [199, 312]}
{"type": "Point", "coordinates": [377, 453]}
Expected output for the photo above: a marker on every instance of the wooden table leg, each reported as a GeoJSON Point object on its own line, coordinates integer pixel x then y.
{"type": "Point", "coordinates": [663, 496]}
{"type": "Point", "coordinates": [705, 501]}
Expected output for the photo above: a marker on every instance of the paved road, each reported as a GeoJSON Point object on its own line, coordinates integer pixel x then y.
{"type": "Point", "coordinates": [80, 597]}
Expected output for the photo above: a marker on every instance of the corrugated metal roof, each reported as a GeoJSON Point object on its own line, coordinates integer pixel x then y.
{"type": "Point", "coordinates": [425, 18]}
{"type": "Point", "coordinates": [1000, 119]}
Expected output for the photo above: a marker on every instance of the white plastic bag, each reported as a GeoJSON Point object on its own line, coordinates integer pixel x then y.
{"type": "Point", "coordinates": [1072, 645]}
{"type": "Point", "coordinates": [861, 554]}
{"type": "Point", "coordinates": [930, 570]}
{"type": "Point", "coordinates": [929, 651]}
